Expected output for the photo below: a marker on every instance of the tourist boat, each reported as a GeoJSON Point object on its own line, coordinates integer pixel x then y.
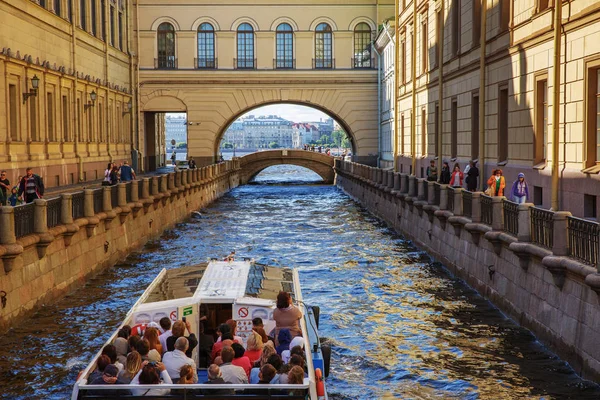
{"type": "Point", "coordinates": [220, 290]}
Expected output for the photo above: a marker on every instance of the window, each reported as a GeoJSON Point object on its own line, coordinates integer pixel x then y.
{"type": "Point", "coordinates": [362, 46]}
{"type": "Point", "coordinates": [79, 122]}
{"type": "Point", "coordinates": [541, 120]}
{"type": "Point", "coordinates": [423, 132]}
{"type": "Point", "coordinates": [103, 18]}
{"type": "Point", "coordinates": [593, 117]}
{"type": "Point", "coordinates": [120, 24]}
{"type": "Point", "coordinates": [206, 46]}
{"type": "Point", "coordinates": [285, 47]}
{"type": "Point", "coordinates": [504, 15]}
{"type": "Point", "coordinates": [424, 44]}
{"type": "Point", "coordinates": [456, 27]}
{"type": "Point", "coordinates": [13, 112]}
{"type": "Point", "coordinates": [166, 46]}
{"type": "Point", "coordinates": [454, 129]}
{"type": "Point", "coordinates": [323, 46]}
{"type": "Point", "coordinates": [90, 126]}
{"type": "Point", "coordinates": [503, 124]}
{"type": "Point", "coordinates": [100, 123]}
{"type": "Point", "coordinates": [42, 3]}
{"type": "Point", "coordinates": [402, 134]}
{"type": "Point", "coordinates": [113, 39]}
{"type": "Point", "coordinates": [403, 55]}
{"type": "Point", "coordinates": [436, 124]}
{"type": "Point", "coordinates": [476, 22]}
{"type": "Point", "coordinates": [57, 9]}
{"type": "Point", "coordinates": [50, 116]}
{"type": "Point", "coordinates": [245, 47]}
{"type": "Point", "coordinates": [65, 119]}
{"type": "Point", "coordinates": [33, 120]}
{"type": "Point", "coordinates": [439, 36]}
{"type": "Point", "coordinates": [475, 127]}
{"type": "Point", "coordinates": [542, 5]}
{"type": "Point", "coordinates": [589, 206]}
{"type": "Point", "coordinates": [70, 10]}
{"type": "Point", "coordinates": [82, 14]}
{"type": "Point", "coordinates": [93, 15]}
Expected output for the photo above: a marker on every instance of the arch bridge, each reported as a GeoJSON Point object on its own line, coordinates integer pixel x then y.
{"type": "Point", "coordinates": [320, 163]}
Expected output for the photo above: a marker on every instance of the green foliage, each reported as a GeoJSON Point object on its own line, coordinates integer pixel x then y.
{"type": "Point", "coordinates": [273, 145]}
{"type": "Point", "coordinates": [182, 145]}
{"type": "Point", "coordinates": [227, 145]}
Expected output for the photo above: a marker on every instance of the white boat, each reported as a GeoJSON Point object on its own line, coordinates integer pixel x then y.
{"type": "Point", "coordinates": [220, 290]}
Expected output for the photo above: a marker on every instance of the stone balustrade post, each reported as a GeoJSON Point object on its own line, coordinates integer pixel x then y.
{"type": "Point", "coordinates": [560, 237]}
{"type": "Point", "coordinates": [476, 207]}
{"type": "Point", "coordinates": [88, 202]}
{"type": "Point", "coordinates": [135, 187]}
{"type": "Point", "coordinates": [458, 202]}
{"type": "Point", "coordinates": [164, 183]}
{"type": "Point", "coordinates": [40, 216]}
{"type": "Point", "coordinates": [430, 192]}
{"type": "Point", "coordinates": [390, 179]}
{"type": "Point", "coordinates": [381, 176]}
{"type": "Point", "coordinates": [443, 197]}
{"type": "Point", "coordinates": [421, 189]}
{"type": "Point", "coordinates": [524, 222]}
{"type": "Point", "coordinates": [403, 183]}
{"type": "Point", "coordinates": [66, 208]}
{"type": "Point", "coordinates": [145, 188]}
{"type": "Point", "coordinates": [412, 187]}
{"type": "Point", "coordinates": [186, 174]}
{"type": "Point", "coordinates": [170, 180]}
{"type": "Point", "coordinates": [155, 185]}
{"type": "Point", "coordinates": [396, 181]}
{"type": "Point", "coordinates": [106, 199]}
{"type": "Point", "coordinates": [498, 213]}
{"type": "Point", "coordinates": [122, 194]}
{"type": "Point", "coordinates": [7, 225]}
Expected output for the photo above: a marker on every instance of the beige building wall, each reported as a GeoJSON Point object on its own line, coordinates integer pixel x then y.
{"type": "Point", "coordinates": [54, 132]}
{"type": "Point", "coordinates": [519, 60]}
{"type": "Point", "coordinates": [215, 98]}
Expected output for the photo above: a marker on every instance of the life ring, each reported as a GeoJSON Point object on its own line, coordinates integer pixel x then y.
{"type": "Point", "coordinates": [326, 353]}
{"type": "Point", "coordinates": [319, 382]}
{"type": "Point", "coordinates": [138, 330]}
{"type": "Point", "coordinates": [316, 313]}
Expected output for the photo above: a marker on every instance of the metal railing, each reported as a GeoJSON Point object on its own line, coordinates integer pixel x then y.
{"type": "Point", "coordinates": [165, 62]}
{"type": "Point", "coordinates": [244, 63]}
{"type": "Point", "coordinates": [450, 197]}
{"type": "Point", "coordinates": [487, 213]}
{"type": "Point", "coordinates": [128, 192]}
{"type": "Point", "coordinates": [437, 194]}
{"type": "Point", "coordinates": [24, 217]}
{"type": "Point", "coordinates": [584, 240]}
{"type": "Point", "coordinates": [54, 212]}
{"type": "Point", "coordinates": [542, 227]}
{"type": "Point", "coordinates": [363, 63]}
{"type": "Point", "coordinates": [114, 196]}
{"type": "Point", "coordinates": [511, 217]}
{"type": "Point", "coordinates": [323, 63]}
{"type": "Point", "coordinates": [206, 63]}
{"type": "Point", "coordinates": [98, 197]}
{"type": "Point", "coordinates": [284, 63]}
{"type": "Point", "coordinates": [467, 198]}
{"type": "Point", "coordinates": [78, 200]}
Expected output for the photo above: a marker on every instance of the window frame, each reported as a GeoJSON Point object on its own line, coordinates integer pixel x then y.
{"type": "Point", "coordinates": [362, 44]}
{"type": "Point", "coordinates": [248, 49]}
{"type": "Point", "coordinates": [540, 150]}
{"type": "Point", "coordinates": [591, 107]}
{"type": "Point", "coordinates": [205, 45]}
{"type": "Point", "coordinates": [168, 59]}
{"type": "Point", "coordinates": [284, 45]}
{"type": "Point", "coordinates": [324, 44]}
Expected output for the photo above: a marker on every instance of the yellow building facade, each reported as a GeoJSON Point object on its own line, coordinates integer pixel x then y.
{"type": "Point", "coordinates": [514, 74]}
{"type": "Point", "coordinates": [77, 53]}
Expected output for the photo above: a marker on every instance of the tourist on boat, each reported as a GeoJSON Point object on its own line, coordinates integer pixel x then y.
{"type": "Point", "coordinates": [205, 346]}
{"type": "Point", "coordinates": [286, 315]}
{"type": "Point", "coordinates": [151, 334]}
{"type": "Point", "coordinates": [215, 377]}
{"type": "Point", "coordinates": [101, 364]}
{"type": "Point", "coordinates": [143, 347]}
{"type": "Point", "coordinates": [267, 374]}
{"type": "Point", "coordinates": [230, 257]}
{"type": "Point", "coordinates": [232, 373]}
{"type": "Point", "coordinates": [151, 374]}
{"type": "Point", "coordinates": [165, 326]}
{"type": "Point", "coordinates": [254, 346]}
{"type": "Point", "coordinates": [111, 352]}
{"type": "Point", "coordinates": [174, 360]}
{"type": "Point", "coordinates": [267, 351]}
{"type": "Point", "coordinates": [296, 377]}
{"type": "Point", "coordinates": [496, 184]}
{"type": "Point", "coordinates": [520, 191]}
{"type": "Point", "coordinates": [187, 375]}
{"type": "Point", "coordinates": [225, 339]}
{"type": "Point", "coordinates": [122, 348]}
{"type": "Point", "coordinates": [240, 359]}
{"type": "Point", "coordinates": [178, 330]}
{"type": "Point", "coordinates": [445, 174]}
{"type": "Point", "coordinates": [133, 341]}
{"type": "Point", "coordinates": [283, 339]}
{"type": "Point", "coordinates": [132, 367]}
{"type": "Point", "coordinates": [298, 341]}
{"type": "Point", "coordinates": [456, 179]}
{"type": "Point", "coordinates": [110, 376]}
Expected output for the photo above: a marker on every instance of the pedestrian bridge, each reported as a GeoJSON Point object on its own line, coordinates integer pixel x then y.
{"type": "Point", "coordinates": [252, 164]}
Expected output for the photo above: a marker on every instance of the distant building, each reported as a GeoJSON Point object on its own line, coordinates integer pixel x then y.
{"type": "Point", "coordinates": [259, 132]}
{"type": "Point", "coordinates": [175, 128]}
{"type": "Point", "coordinates": [303, 133]}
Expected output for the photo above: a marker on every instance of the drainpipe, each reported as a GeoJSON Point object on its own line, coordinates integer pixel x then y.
{"type": "Point", "coordinates": [440, 122]}
{"type": "Point", "coordinates": [413, 75]}
{"type": "Point", "coordinates": [555, 102]}
{"type": "Point", "coordinates": [482, 46]}
{"type": "Point", "coordinates": [396, 66]}
{"type": "Point", "coordinates": [378, 106]}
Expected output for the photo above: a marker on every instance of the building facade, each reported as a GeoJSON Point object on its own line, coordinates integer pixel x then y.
{"type": "Point", "coordinates": [304, 133]}
{"type": "Point", "coordinates": [66, 105]}
{"type": "Point", "coordinates": [385, 50]}
{"type": "Point", "coordinates": [508, 86]}
{"type": "Point", "coordinates": [175, 128]}
{"type": "Point", "coordinates": [259, 132]}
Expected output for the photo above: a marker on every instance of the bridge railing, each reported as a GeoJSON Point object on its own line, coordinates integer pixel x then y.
{"type": "Point", "coordinates": [559, 232]}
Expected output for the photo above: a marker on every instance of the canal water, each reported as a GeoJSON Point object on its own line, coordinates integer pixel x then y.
{"type": "Point", "coordinates": [400, 325]}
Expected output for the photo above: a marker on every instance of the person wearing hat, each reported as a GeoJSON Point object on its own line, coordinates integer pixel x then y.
{"type": "Point", "coordinates": [496, 184]}
{"type": "Point", "coordinates": [520, 192]}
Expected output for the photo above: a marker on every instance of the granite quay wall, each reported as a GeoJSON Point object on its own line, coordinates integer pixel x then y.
{"type": "Point", "coordinates": [539, 267]}
{"type": "Point", "coordinates": [50, 247]}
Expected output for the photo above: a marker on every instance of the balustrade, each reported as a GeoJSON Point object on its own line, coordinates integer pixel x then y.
{"type": "Point", "coordinates": [467, 198]}
{"type": "Point", "coordinates": [542, 227]}
{"type": "Point", "coordinates": [24, 217]}
{"type": "Point", "coordinates": [487, 211]}
{"type": "Point", "coordinates": [584, 240]}
{"type": "Point", "coordinates": [511, 217]}
{"type": "Point", "coordinates": [54, 212]}
{"type": "Point", "coordinates": [78, 205]}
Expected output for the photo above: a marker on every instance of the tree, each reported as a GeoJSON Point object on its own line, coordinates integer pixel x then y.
{"type": "Point", "coordinates": [337, 137]}
{"type": "Point", "coordinates": [182, 145]}
{"type": "Point", "coordinates": [273, 145]}
{"type": "Point", "coordinates": [227, 145]}
{"type": "Point", "coordinates": [346, 143]}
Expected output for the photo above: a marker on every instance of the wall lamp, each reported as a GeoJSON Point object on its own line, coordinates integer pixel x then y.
{"type": "Point", "coordinates": [93, 97]}
{"type": "Point", "coordinates": [129, 107]}
{"type": "Point", "coordinates": [35, 83]}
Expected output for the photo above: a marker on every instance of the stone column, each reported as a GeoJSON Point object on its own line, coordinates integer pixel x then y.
{"type": "Point", "coordinates": [476, 207]}
{"type": "Point", "coordinates": [40, 216]}
{"type": "Point", "coordinates": [430, 191]}
{"type": "Point", "coordinates": [145, 188]}
{"type": "Point", "coordinates": [154, 185]}
{"type": "Point", "coordinates": [560, 237]}
{"type": "Point", "coordinates": [412, 188]}
{"type": "Point", "coordinates": [135, 191]}
{"type": "Point", "coordinates": [390, 175]}
{"type": "Point", "coordinates": [396, 181]}
{"type": "Point", "coordinates": [524, 228]}
{"type": "Point", "coordinates": [421, 189]}
{"type": "Point", "coordinates": [122, 194]}
{"type": "Point", "coordinates": [458, 204]}
{"type": "Point", "coordinates": [66, 208]}
{"type": "Point", "coordinates": [497, 213]}
{"type": "Point", "coordinates": [171, 181]}
{"type": "Point", "coordinates": [184, 177]}
{"type": "Point", "coordinates": [106, 200]}
{"type": "Point", "coordinates": [164, 183]}
{"type": "Point", "coordinates": [88, 202]}
{"type": "Point", "coordinates": [443, 197]}
{"type": "Point", "coordinates": [7, 225]}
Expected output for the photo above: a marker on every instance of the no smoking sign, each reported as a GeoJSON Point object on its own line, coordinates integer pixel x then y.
{"type": "Point", "coordinates": [243, 312]}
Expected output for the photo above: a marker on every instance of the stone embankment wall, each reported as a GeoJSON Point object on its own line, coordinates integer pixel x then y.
{"type": "Point", "coordinates": [537, 266]}
{"type": "Point", "coordinates": [52, 246]}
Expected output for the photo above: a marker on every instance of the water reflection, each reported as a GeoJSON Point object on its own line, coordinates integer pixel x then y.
{"type": "Point", "coordinates": [400, 326]}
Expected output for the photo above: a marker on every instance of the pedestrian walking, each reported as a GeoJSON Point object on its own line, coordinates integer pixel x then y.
{"type": "Point", "coordinates": [31, 186]}
{"type": "Point", "coordinates": [472, 175]}
{"type": "Point", "coordinates": [4, 188]}
{"type": "Point", "coordinates": [456, 180]}
{"type": "Point", "coordinates": [126, 172]}
{"type": "Point", "coordinates": [520, 191]}
{"type": "Point", "coordinates": [192, 163]}
{"type": "Point", "coordinates": [496, 184]}
{"type": "Point", "coordinates": [14, 200]}
{"type": "Point", "coordinates": [107, 172]}
{"type": "Point", "coordinates": [173, 158]}
{"type": "Point", "coordinates": [445, 174]}
{"type": "Point", "coordinates": [432, 173]}
{"type": "Point", "coordinates": [114, 175]}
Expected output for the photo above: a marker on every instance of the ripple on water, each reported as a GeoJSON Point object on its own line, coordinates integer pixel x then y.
{"type": "Point", "coordinates": [400, 326]}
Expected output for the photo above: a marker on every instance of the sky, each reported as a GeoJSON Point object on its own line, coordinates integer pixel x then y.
{"type": "Point", "coordinates": [291, 112]}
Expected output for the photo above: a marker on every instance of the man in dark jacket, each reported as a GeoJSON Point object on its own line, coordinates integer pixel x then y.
{"type": "Point", "coordinates": [31, 186]}
{"type": "Point", "coordinates": [472, 176]}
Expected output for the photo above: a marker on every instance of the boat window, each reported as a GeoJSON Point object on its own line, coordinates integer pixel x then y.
{"type": "Point", "coordinates": [178, 283]}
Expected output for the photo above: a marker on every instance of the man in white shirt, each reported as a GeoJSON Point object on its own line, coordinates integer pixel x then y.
{"type": "Point", "coordinates": [231, 373]}
{"type": "Point", "coordinates": [165, 327]}
{"type": "Point", "coordinates": [176, 359]}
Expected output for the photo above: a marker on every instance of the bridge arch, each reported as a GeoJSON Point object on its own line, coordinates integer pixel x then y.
{"type": "Point", "coordinates": [252, 164]}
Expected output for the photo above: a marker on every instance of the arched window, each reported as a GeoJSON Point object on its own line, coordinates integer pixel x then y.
{"type": "Point", "coordinates": [245, 47]}
{"type": "Point", "coordinates": [362, 46]}
{"type": "Point", "coordinates": [166, 46]}
{"type": "Point", "coordinates": [285, 47]}
{"type": "Point", "coordinates": [206, 46]}
{"type": "Point", "coordinates": [323, 46]}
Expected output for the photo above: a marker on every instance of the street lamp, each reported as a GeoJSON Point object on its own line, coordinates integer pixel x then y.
{"type": "Point", "coordinates": [129, 107]}
{"type": "Point", "coordinates": [93, 97]}
{"type": "Point", "coordinates": [35, 83]}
